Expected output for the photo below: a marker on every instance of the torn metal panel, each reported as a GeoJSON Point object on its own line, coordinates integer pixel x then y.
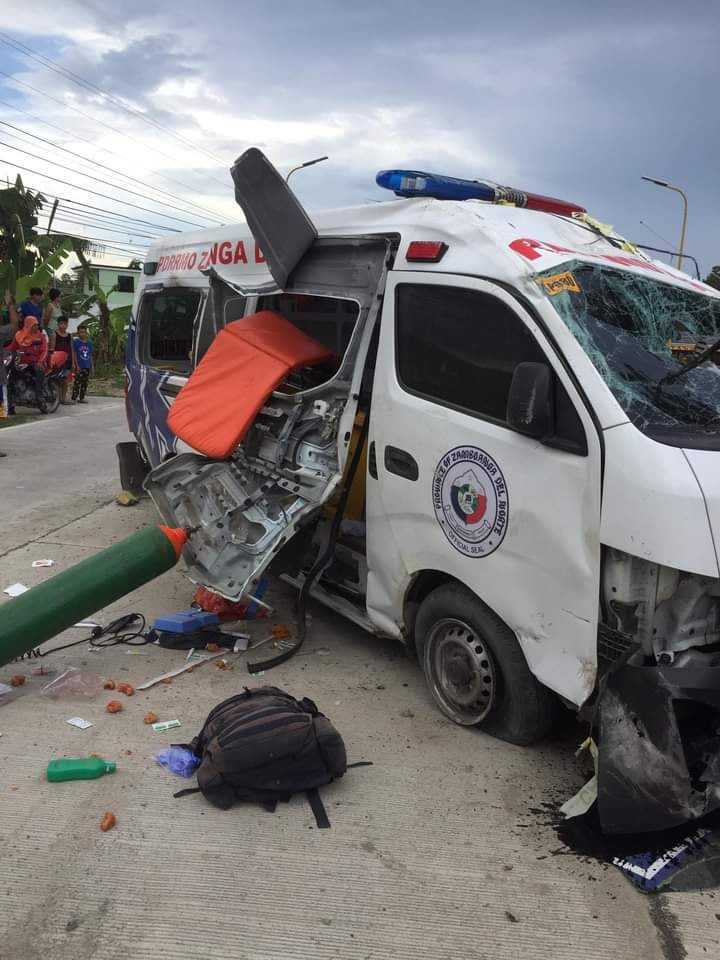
{"type": "Point", "coordinates": [658, 745]}
{"type": "Point", "coordinates": [665, 610]}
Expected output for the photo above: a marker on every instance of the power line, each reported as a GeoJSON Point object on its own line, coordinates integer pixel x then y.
{"type": "Point", "coordinates": [102, 123]}
{"type": "Point", "coordinates": [107, 183]}
{"type": "Point", "coordinates": [49, 64]}
{"type": "Point", "coordinates": [76, 136]}
{"type": "Point", "coordinates": [84, 207]}
{"type": "Point", "coordinates": [95, 193]}
{"type": "Point", "coordinates": [128, 228]}
{"type": "Point", "coordinates": [70, 218]}
{"type": "Point", "coordinates": [112, 213]}
{"type": "Point", "coordinates": [103, 243]}
{"type": "Point", "coordinates": [79, 156]}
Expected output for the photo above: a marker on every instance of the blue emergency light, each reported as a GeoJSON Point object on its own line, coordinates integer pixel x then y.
{"type": "Point", "coordinates": [415, 183]}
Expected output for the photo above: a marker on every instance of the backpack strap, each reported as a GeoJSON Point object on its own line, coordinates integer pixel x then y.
{"type": "Point", "coordinates": [187, 792]}
{"type": "Point", "coordinates": [318, 808]}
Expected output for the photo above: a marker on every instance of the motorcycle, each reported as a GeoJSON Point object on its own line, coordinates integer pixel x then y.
{"type": "Point", "coordinates": [21, 382]}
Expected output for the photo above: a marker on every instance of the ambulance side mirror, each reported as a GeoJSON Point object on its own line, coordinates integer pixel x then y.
{"type": "Point", "coordinates": [530, 401]}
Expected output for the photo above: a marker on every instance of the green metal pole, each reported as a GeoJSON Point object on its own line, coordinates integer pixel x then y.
{"type": "Point", "coordinates": [58, 603]}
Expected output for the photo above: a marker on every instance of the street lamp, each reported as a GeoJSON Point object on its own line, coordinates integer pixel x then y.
{"type": "Point", "coordinates": [669, 186]}
{"type": "Point", "coordinates": [308, 163]}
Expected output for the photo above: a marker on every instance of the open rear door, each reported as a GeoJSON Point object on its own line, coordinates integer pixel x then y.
{"type": "Point", "coordinates": [274, 214]}
{"type": "Point", "coordinates": [243, 509]}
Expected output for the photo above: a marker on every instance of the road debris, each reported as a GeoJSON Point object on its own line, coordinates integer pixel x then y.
{"type": "Point", "coordinates": [114, 706]}
{"type": "Point", "coordinates": [165, 677]}
{"type": "Point", "coordinates": [42, 563]}
{"type": "Point", "coordinates": [178, 760]}
{"type": "Point", "coordinates": [108, 821]}
{"type": "Point", "coordinates": [74, 683]}
{"type": "Point", "coordinates": [278, 633]}
{"type": "Point", "coordinates": [17, 680]}
{"type": "Point", "coordinates": [16, 589]}
{"type": "Point", "coordinates": [587, 794]}
{"type": "Point", "coordinates": [79, 723]}
{"type": "Point", "coordinates": [164, 725]}
{"type": "Point", "coordinates": [150, 717]}
{"type": "Point", "coordinates": [681, 858]}
{"type": "Point", "coordinates": [127, 688]}
{"type": "Point", "coordinates": [78, 768]}
{"type": "Point", "coordinates": [109, 685]}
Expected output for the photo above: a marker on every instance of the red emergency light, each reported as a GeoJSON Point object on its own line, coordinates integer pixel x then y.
{"type": "Point", "coordinates": [426, 251]}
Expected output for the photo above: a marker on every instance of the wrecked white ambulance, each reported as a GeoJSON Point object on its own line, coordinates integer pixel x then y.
{"type": "Point", "coordinates": [532, 486]}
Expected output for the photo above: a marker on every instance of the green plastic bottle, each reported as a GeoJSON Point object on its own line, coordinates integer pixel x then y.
{"type": "Point", "coordinates": [80, 768]}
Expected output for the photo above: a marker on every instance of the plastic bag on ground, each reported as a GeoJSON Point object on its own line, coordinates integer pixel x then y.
{"type": "Point", "coordinates": [178, 760]}
{"type": "Point", "coordinates": [74, 683]}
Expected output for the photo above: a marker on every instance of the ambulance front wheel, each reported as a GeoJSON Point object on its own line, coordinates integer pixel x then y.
{"type": "Point", "coordinates": [475, 668]}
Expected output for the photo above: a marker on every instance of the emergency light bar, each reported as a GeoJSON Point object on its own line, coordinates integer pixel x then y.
{"type": "Point", "coordinates": [415, 183]}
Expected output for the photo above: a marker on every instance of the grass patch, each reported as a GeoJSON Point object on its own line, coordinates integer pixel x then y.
{"type": "Point", "coordinates": [19, 418]}
{"type": "Point", "coordinates": [107, 380]}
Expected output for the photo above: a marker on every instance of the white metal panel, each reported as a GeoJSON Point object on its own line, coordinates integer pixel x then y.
{"type": "Point", "coordinates": [705, 465]}
{"type": "Point", "coordinates": [652, 503]}
{"type": "Point", "coordinates": [543, 577]}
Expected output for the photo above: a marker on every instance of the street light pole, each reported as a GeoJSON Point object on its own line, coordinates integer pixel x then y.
{"type": "Point", "coordinates": [669, 186]}
{"type": "Point", "coordinates": [308, 163]}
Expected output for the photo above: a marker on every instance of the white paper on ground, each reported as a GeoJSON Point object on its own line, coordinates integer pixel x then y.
{"type": "Point", "coordinates": [5, 688]}
{"type": "Point", "coordinates": [79, 722]}
{"type": "Point", "coordinates": [587, 794]}
{"type": "Point", "coordinates": [42, 563]}
{"type": "Point", "coordinates": [16, 589]}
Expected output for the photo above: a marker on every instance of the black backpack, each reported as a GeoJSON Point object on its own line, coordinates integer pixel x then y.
{"type": "Point", "coordinates": [263, 745]}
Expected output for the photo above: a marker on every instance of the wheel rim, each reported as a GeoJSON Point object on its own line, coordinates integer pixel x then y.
{"type": "Point", "coordinates": [460, 671]}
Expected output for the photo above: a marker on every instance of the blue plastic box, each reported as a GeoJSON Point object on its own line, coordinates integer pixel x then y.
{"type": "Point", "coordinates": [186, 621]}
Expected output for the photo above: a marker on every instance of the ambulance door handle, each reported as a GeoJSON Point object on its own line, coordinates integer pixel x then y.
{"type": "Point", "coordinates": [401, 463]}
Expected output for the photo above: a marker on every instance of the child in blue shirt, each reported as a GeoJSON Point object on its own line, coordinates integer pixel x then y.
{"type": "Point", "coordinates": [83, 350]}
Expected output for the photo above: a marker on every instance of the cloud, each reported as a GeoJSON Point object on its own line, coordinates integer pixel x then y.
{"type": "Point", "coordinates": [567, 100]}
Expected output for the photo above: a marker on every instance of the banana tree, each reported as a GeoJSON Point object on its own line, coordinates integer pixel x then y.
{"type": "Point", "coordinates": [52, 253]}
{"type": "Point", "coordinates": [18, 237]}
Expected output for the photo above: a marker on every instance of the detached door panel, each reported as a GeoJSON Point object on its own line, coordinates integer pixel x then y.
{"type": "Point", "coordinates": [458, 491]}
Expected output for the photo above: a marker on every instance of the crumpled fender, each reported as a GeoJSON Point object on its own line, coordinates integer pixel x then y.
{"type": "Point", "coordinates": [659, 757]}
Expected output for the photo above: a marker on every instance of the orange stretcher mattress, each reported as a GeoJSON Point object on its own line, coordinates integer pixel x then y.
{"type": "Point", "coordinates": [244, 364]}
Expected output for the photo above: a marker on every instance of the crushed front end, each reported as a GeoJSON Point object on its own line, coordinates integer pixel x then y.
{"type": "Point", "coordinates": [658, 705]}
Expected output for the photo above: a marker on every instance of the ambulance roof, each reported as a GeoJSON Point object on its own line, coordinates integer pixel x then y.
{"type": "Point", "coordinates": [484, 239]}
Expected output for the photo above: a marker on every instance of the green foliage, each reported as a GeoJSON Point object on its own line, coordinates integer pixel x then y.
{"type": "Point", "coordinates": [119, 318]}
{"type": "Point", "coordinates": [18, 219]}
{"type": "Point", "coordinates": [27, 258]}
{"type": "Point", "coordinates": [45, 268]}
{"type": "Point", "coordinates": [713, 278]}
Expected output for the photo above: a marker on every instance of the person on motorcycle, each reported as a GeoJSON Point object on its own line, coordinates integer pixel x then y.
{"type": "Point", "coordinates": [30, 346]}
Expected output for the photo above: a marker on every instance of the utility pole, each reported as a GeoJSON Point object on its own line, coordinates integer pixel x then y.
{"type": "Point", "coordinates": [669, 186]}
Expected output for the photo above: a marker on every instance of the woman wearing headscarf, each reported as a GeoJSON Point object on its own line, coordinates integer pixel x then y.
{"type": "Point", "coordinates": [30, 346]}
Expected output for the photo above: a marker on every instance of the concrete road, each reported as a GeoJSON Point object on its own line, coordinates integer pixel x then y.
{"type": "Point", "coordinates": [59, 467]}
{"type": "Point", "coordinates": [443, 849]}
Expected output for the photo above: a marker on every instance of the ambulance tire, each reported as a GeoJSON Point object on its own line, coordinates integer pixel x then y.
{"type": "Point", "coordinates": [476, 670]}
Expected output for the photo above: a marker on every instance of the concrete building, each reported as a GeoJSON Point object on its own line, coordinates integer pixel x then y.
{"type": "Point", "coordinates": [111, 275]}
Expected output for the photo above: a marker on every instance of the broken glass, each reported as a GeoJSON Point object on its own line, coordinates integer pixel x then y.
{"type": "Point", "coordinates": [637, 331]}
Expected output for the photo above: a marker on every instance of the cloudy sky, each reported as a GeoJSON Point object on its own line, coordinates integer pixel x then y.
{"type": "Point", "coordinates": [565, 98]}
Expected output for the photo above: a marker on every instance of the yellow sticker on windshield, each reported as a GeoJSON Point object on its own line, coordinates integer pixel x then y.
{"type": "Point", "coordinates": [560, 283]}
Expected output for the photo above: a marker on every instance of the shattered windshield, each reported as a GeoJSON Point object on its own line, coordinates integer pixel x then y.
{"type": "Point", "coordinates": [640, 333]}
